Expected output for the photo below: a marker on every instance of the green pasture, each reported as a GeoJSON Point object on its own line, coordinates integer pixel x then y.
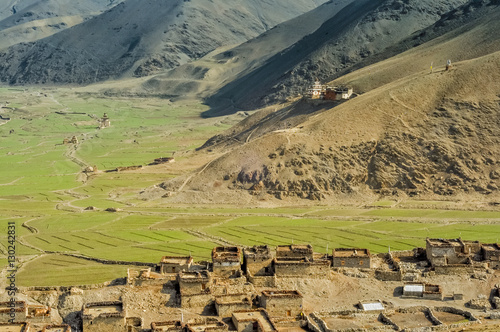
{"type": "Point", "coordinates": [41, 189]}
{"type": "Point", "coordinates": [49, 270]}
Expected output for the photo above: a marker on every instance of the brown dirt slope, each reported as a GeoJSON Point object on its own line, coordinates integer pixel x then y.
{"type": "Point", "coordinates": [421, 133]}
{"type": "Point", "coordinates": [140, 37]}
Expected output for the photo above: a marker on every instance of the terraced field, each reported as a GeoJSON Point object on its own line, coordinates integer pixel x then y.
{"type": "Point", "coordinates": [44, 191]}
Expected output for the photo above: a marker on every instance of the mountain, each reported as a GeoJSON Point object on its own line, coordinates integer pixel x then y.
{"type": "Point", "coordinates": [361, 30]}
{"type": "Point", "coordinates": [30, 20]}
{"type": "Point", "coordinates": [203, 77]}
{"type": "Point", "coordinates": [409, 132]}
{"type": "Point", "coordinates": [140, 37]}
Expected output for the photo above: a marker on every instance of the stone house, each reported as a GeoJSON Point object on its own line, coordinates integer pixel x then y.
{"type": "Point", "coordinates": [191, 283]}
{"type": "Point", "coordinates": [258, 261]}
{"type": "Point", "coordinates": [194, 289]}
{"type": "Point", "coordinates": [442, 252]}
{"type": "Point", "coordinates": [424, 291]}
{"type": "Point", "coordinates": [225, 305]}
{"type": "Point", "coordinates": [226, 261]}
{"type": "Point", "coordinates": [282, 303]}
{"type": "Point", "coordinates": [353, 258]}
{"type": "Point", "coordinates": [173, 264]}
{"type": "Point", "coordinates": [253, 321]}
{"type": "Point", "coordinates": [103, 317]}
{"type": "Point", "coordinates": [491, 254]}
{"type": "Point", "coordinates": [297, 251]}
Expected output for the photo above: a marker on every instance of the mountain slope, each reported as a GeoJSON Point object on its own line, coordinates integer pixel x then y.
{"type": "Point", "coordinates": [31, 20]}
{"type": "Point", "coordinates": [418, 133]}
{"type": "Point", "coordinates": [360, 30]}
{"type": "Point", "coordinates": [138, 37]}
{"type": "Point", "coordinates": [202, 78]}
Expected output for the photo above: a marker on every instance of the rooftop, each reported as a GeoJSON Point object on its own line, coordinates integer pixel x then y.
{"type": "Point", "coordinates": [98, 308]}
{"type": "Point", "coordinates": [194, 276]}
{"type": "Point", "coordinates": [448, 242]}
{"type": "Point", "coordinates": [414, 288]}
{"type": "Point", "coordinates": [206, 324]}
{"type": "Point", "coordinates": [226, 254]}
{"type": "Point", "coordinates": [281, 293]}
{"type": "Point", "coordinates": [259, 315]}
{"type": "Point", "coordinates": [371, 306]}
{"type": "Point", "coordinates": [257, 251]}
{"type": "Point", "coordinates": [491, 247]}
{"type": "Point", "coordinates": [57, 328]}
{"type": "Point", "coordinates": [176, 260]}
{"type": "Point", "coordinates": [294, 247]}
{"type": "Point", "coordinates": [351, 252]}
{"type": "Point", "coordinates": [13, 327]}
{"type": "Point", "coordinates": [166, 326]}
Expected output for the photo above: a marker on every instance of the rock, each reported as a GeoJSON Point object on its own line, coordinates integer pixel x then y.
{"type": "Point", "coordinates": [91, 208]}
{"type": "Point", "coordinates": [112, 209]}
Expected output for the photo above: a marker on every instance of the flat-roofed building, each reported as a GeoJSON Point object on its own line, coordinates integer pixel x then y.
{"type": "Point", "coordinates": [103, 317]}
{"type": "Point", "coordinates": [226, 261]}
{"type": "Point", "coordinates": [174, 264]}
{"type": "Point", "coordinates": [283, 303]}
{"type": "Point", "coordinates": [225, 305]}
{"type": "Point", "coordinates": [444, 252]}
{"type": "Point", "coordinates": [424, 291]}
{"type": "Point", "coordinates": [196, 282]}
{"type": "Point", "coordinates": [253, 320]}
{"type": "Point", "coordinates": [491, 254]}
{"type": "Point", "coordinates": [352, 258]}
{"type": "Point", "coordinates": [258, 260]}
{"type": "Point", "coordinates": [371, 306]}
{"type": "Point", "coordinates": [298, 251]}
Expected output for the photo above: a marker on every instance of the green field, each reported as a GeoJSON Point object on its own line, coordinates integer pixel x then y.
{"type": "Point", "coordinates": [43, 190]}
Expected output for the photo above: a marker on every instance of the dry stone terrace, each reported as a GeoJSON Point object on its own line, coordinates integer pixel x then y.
{"type": "Point", "coordinates": [257, 289]}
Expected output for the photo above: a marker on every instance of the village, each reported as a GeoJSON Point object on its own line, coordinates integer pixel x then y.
{"type": "Point", "coordinates": [245, 289]}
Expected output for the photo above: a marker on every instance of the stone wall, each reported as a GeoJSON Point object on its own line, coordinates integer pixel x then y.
{"type": "Point", "coordinates": [387, 275]}
{"type": "Point", "coordinates": [301, 269]}
{"type": "Point", "coordinates": [17, 308]}
{"type": "Point", "coordinates": [262, 281]}
{"type": "Point", "coordinates": [287, 306]}
{"type": "Point", "coordinates": [226, 305]}
{"type": "Point", "coordinates": [104, 323]}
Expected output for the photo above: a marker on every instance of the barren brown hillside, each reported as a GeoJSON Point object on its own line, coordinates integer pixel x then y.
{"type": "Point", "coordinates": [416, 131]}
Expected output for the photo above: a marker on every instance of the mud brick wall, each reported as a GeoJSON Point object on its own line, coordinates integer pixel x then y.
{"type": "Point", "coordinates": [226, 269]}
{"type": "Point", "coordinates": [287, 306]}
{"type": "Point", "coordinates": [19, 311]}
{"type": "Point", "coordinates": [353, 262]}
{"type": "Point", "coordinates": [259, 266]}
{"type": "Point", "coordinates": [226, 309]}
{"type": "Point", "coordinates": [258, 281]}
{"type": "Point", "coordinates": [104, 323]}
{"type": "Point", "coordinates": [301, 269]}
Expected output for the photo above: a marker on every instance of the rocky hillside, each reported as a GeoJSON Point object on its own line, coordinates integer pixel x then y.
{"type": "Point", "coordinates": [412, 132]}
{"type": "Point", "coordinates": [140, 37]}
{"type": "Point", "coordinates": [31, 20]}
{"type": "Point", "coordinates": [361, 30]}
